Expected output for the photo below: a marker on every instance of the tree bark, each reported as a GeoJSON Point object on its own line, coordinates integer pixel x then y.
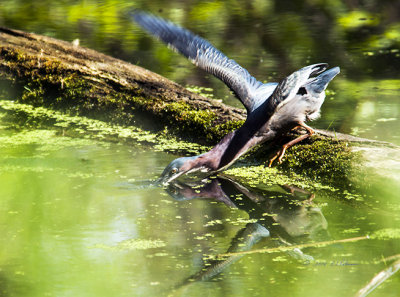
{"type": "Point", "coordinates": [60, 74]}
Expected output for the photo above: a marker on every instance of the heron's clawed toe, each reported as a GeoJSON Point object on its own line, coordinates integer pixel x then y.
{"type": "Point", "coordinates": [279, 155]}
{"type": "Point", "coordinates": [271, 161]}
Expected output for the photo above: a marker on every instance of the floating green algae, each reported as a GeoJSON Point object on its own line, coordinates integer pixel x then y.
{"type": "Point", "coordinates": [266, 176]}
{"type": "Point", "coordinates": [385, 234]}
{"type": "Point", "coordinates": [42, 169]}
{"type": "Point", "coordinates": [208, 92]}
{"type": "Point", "coordinates": [101, 130]}
{"type": "Point", "coordinates": [133, 244]}
{"type": "Point", "coordinates": [46, 140]}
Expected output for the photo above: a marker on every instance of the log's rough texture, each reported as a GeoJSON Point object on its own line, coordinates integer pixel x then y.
{"type": "Point", "coordinates": [59, 74]}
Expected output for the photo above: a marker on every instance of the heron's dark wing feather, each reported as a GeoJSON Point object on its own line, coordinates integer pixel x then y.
{"type": "Point", "coordinates": [289, 86]}
{"type": "Point", "coordinates": [249, 91]}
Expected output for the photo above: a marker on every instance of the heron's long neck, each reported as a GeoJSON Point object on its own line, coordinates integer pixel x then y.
{"type": "Point", "coordinates": [229, 149]}
{"type": "Point", "coordinates": [212, 159]}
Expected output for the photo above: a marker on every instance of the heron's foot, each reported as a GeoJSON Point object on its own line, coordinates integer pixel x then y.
{"type": "Point", "coordinates": [279, 155]}
{"type": "Point", "coordinates": [296, 128]}
{"type": "Point", "coordinates": [272, 160]}
{"type": "Point", "coordinates": [282, 151]}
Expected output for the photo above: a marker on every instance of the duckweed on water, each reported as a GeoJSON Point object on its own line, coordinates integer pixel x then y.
{"type": "Point", "coordinates": [351, 231]}
{"type": "Point", "coordinates": [47, 140]}
{"type": "Point", "coordinates": [133, 244]}
{"type": "Point", "coordinates": [262, 174]}
{"type": "Point", "coordinates": [41, 169]}
{"type": "Point", "coordinates": [101, 130]}
{"type": "Point", "coordinates": [200, 90]}
{"type": "Point", "coordinates": [385, 234]}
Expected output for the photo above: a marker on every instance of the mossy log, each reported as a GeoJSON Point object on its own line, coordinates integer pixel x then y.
{"type": "Point", "coordinates": [58, 74]}
{"type": "Point", "coordinates": [44, 71]}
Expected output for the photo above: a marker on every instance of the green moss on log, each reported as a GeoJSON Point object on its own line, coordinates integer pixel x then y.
{"type": "Point", "coordinates": [321, 159]}
{"type": "Point", "coordinates": [46, 82]}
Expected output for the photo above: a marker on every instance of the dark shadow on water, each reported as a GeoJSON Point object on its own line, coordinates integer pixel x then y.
{"type": "Point", "coordinates": [283, 216]}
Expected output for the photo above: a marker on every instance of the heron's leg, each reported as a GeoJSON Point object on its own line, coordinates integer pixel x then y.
{"type": "Point", "coordinates": [306, 127]}
{"type": "Point", "coordinates": [282, 151]}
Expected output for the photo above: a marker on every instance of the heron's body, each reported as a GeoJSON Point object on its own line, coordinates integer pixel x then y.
{"type": "Point", "coordinates": [272, 108]}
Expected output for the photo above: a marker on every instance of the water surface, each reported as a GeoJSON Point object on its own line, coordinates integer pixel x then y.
{"type": "Point", "coordinates": [79, 217]}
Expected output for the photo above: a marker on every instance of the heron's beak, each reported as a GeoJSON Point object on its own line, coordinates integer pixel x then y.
{"type": "Point", "coordinates": [320, 82]}
{"type": "Point", "coordinates": [165, 178]}
{"type": "Point", "coordinates": [162, 181]}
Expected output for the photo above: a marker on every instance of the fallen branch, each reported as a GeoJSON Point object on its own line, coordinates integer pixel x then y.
{"type": "Point", "coordinates": [382, 234]}
{"type": "Point", "coordinates": [378, 279]}
{"type": "Point", "coordinates": [293, 247]}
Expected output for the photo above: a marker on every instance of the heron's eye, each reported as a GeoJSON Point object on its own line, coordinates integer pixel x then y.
{"type": "Point", "coordinates": [302, 91]}
{"type": "Point", "coordinates": [174, 170]}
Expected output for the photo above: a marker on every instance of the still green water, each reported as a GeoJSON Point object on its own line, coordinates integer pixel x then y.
{"type": "Point", "coordinates": [80, 217]}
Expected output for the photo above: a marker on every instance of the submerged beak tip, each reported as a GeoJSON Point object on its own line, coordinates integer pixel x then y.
{"type": "Point", "coordinates": [162, 181]}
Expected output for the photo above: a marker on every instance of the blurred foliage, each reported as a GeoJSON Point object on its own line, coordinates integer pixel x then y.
{"type": "Point", "coordinates": [270, 38]}
{"type": "Point", "coordinates": [277, 35]}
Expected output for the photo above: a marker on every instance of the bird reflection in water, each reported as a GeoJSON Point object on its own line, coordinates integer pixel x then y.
{"type": "Point", "coordinates": [289, 220]}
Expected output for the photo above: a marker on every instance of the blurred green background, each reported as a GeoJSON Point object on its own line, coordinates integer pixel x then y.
{"type": "Point", "coordinates": [361, 36]}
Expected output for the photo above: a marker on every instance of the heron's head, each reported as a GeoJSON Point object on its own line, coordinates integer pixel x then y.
{"type": "Point", "coordinates": [178, 167]}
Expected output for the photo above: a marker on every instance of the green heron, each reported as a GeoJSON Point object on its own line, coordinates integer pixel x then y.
{"type": "Point", "coordinates": [272, 108]}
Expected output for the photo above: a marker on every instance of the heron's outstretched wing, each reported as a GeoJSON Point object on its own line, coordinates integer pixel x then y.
{"type": "Point", "coordinates": [249, 91]}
